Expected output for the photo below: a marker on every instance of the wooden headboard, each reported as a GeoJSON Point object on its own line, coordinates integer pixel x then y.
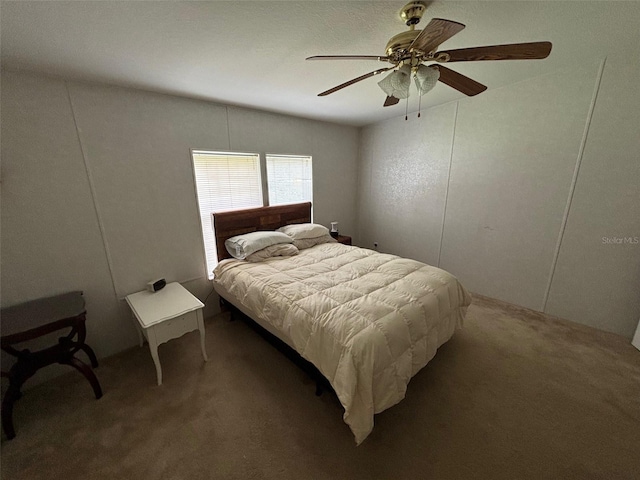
{"type": "Point", "coordinates": [237, 222]}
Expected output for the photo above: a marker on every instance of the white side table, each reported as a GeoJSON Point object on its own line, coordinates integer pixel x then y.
{"type": "Point", "coordinates": [164, 315]}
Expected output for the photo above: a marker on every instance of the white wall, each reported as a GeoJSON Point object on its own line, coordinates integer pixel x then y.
{"type": "Point", "coordinates": [51, 240]}
{"type": "Point", "coordinates": [98, 192]}
{"type": "Point", "coordinates": [514, 153]}
{"type": "Point", "coordinates": [539, 174]}
{"type": "Point", "coordinates": [594, 282]}
{"type": "Point", "coordinates": [403, 183]}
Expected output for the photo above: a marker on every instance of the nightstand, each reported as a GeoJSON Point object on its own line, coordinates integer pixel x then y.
{"type": "Point", "coordinates": [164, 315]}
{"type": "Point", "coordinates": [343, 239]}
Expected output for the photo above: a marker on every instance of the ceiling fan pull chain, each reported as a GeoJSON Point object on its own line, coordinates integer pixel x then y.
{"type": "Point", "coordinates": [419, 102]}
{"type": "Point", "coordinates": [406, 110]}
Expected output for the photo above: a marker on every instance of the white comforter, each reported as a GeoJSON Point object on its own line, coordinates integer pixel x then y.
{"type": "Point", "coordinates": [367, 321]}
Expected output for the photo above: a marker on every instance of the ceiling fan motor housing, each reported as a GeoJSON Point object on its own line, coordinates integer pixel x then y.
{"type": "Point", "coordinates": [400, 43]}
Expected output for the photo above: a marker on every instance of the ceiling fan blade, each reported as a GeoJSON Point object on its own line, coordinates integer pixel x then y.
{"type": "Point", "coordinates": [436, 32]}
{"type": "Point", "coordinates": [390, 101]}
{"type": "Point", "coordinates": [348, 57]}
{"type": "Point", "coordinates": [514, 51]}
{"type": "Point", "coordinates": [355, 80]}
{"type": "Point", "coordinates": [460, 82]}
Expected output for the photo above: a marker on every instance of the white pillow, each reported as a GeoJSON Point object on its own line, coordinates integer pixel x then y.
{"type": "Point", "coordinates": [299, 231]}
{"type": "Point", "coordinates": [303, 243]}
{"type": "Point", "coordinates": [242, 245]}
{"type": "Point", "coordinates": [279, 250]}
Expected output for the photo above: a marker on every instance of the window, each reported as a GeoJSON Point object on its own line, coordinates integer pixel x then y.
{"type": "Point", "coordinates": [224, 181]}
{"type": "Point", "coordinates": [289, 179]}
{"type": "Point", "coordinates": [231, 181]}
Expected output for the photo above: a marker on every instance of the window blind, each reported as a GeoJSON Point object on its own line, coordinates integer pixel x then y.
{"type": "Point", "coordinates": [289, 179]}
{"type": "Point", "coordinates": [224, 181]}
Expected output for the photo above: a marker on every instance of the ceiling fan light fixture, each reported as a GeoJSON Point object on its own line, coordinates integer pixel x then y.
{"type": "Point", "coordinates": [426, 78]}
{"type": "Point", "coordinates": [397, 83]}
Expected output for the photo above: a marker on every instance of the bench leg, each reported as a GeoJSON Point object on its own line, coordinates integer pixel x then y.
{"type": "Point", "coordinates": [87, 372]}
{"type": "Point", "coordinates": [89, 351]}
{"type": "Point", "coordinates": [13, 394]}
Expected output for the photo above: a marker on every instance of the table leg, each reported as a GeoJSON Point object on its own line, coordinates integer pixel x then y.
{"type": "Point", "coordinates": [153, 348]}
{"type": "Point", "coordinates": [201, 329]}
{"type": "Point", "coordinates": [139, 330]}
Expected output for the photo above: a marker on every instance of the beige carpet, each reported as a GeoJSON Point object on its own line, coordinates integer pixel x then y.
{"type": "Point", "coordinates": [514, 395]}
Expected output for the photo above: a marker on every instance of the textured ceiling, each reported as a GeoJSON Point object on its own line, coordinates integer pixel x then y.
{"type": "Point", "coordinates": [252, 53]}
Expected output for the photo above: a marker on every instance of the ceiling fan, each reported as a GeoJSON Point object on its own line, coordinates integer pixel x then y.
{"type": "Point", "coordinates": [408, 51]}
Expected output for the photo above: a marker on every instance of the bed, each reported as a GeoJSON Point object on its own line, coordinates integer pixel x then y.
{"type": "Point", "coordinates": [367, 321]}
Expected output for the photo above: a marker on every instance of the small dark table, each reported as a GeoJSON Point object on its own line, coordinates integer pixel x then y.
{"type": "Point", "coordinates": [343, 239]}
{"type": "Point", "coordinates": [27, 321]}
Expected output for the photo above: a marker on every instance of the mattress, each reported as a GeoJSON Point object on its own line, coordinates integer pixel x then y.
{"type": "Point", "coordinates": [368, 321]}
